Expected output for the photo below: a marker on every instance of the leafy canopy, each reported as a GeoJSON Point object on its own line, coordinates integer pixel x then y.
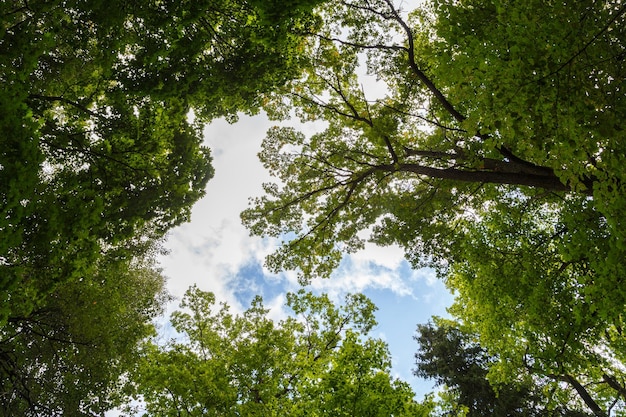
{"type": "Point", "coordinates": [98, 150]}
{"type": "Point", "coordinates": [494, 154]}
{"type": "Point", "coordinates": [99, 159]}
{"type": "Point", "coordinates": [461, 366]}
{"type": "Point", "coordinates": [319, 362]}
{"type": "Point", "coordinates": [73, 353]}
{"type": "Point", "coordinates": [462, 125]}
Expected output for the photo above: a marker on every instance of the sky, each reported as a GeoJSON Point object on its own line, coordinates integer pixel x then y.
{"type": "Point", "coordinates": [215, 252]}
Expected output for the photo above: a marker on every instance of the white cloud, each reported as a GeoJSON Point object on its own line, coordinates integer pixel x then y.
{"type": "Point", "coordinates": [357, 275]}
{"type": "Point", "coordinates": [210, 249]}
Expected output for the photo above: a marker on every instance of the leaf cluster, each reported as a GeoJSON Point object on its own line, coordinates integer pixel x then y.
{"type": "Point", "coordinates": [318, 362]}
{"type": "Point", "coordinates": [73, 353]}
{"type": "Point", "coordinates": [100, 158]}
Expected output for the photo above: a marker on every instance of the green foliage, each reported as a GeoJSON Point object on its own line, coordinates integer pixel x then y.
{"type": "Point", "coordinates": [380, 161]}
{"type": "Point", "coordinates": [99, 154]}
{"type": "Point", "coordinates": [71, 354]}
{"type": "Point", "coordinates": [541, 298]}
{"type": "Point", "coordinates": [461, 366]}
{"type": "Point", "coordinates": [494, 156]}
{"type": "Point", "coordinates": [320, 362]}
{"type": "Point", "coordinates": [100, 158]}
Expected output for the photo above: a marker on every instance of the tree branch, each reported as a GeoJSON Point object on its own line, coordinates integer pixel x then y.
{"type": "Point", "coordinates": [530, 167]}
{"type": "Point", "coordinates": [441, 98]}
{"type": "Point", "coordinates": [551, 183]}
{"type": "Point", "coordinates": [612, 382]}
{"type": "Point", "coordinates": [66, 101]}
{"type": "Point", "coordinates": [617, 15]}
{"type": "Point", "coordinates": [361, 45]}
{"type": "Point", "coordinates": [584, 394]}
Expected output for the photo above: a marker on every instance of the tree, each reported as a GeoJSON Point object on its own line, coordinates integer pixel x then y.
{"type": "Point", "coordinates": [320, 362]}
{"type": "Point", "coordinates": [433, 143]}
{"type": "Point", "coordinates": [99, 158]}
{"type": "Point", "coordinates": [457, 362]}
{"type": "Point", "coordinates": [73, 354]}
{"type": "Point", "coordinates": [494, 156]}
{"type": "Point", "coordinates": [544, 300]}
{"type": "Point", "coordinates": [99, 153]}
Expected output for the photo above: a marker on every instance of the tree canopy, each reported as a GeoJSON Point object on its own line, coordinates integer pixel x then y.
{"type": "Point", "coordinates": [99, 150]}
{"type": "Point", "coordinates": [455, 130]}
{"type": "Point", "coordinates": [494, 155]}
{"type": "Point", "coordinates": [460, 366]}
{"type": "Point", "coordinates": [102, 106]}
{"type": "Point", "coordinates": [319, 362]}
{"type": "Point", "coordinates": [72, 355]}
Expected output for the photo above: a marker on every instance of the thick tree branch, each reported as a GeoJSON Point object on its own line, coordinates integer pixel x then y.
{"type": "Point", "coordinates": [551, 183]}
{"type": "Point", "coordinates": [529, 166]}
{"type": "Point", "coordinates": [584, 394]}
{"type": "Point", "coordinates": [612, 382]}
{"type": "Point", "coordinates": [493, 170]}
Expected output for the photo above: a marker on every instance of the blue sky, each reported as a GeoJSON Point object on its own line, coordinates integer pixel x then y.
{"type": "Point", "coordinates": [216, 252]}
